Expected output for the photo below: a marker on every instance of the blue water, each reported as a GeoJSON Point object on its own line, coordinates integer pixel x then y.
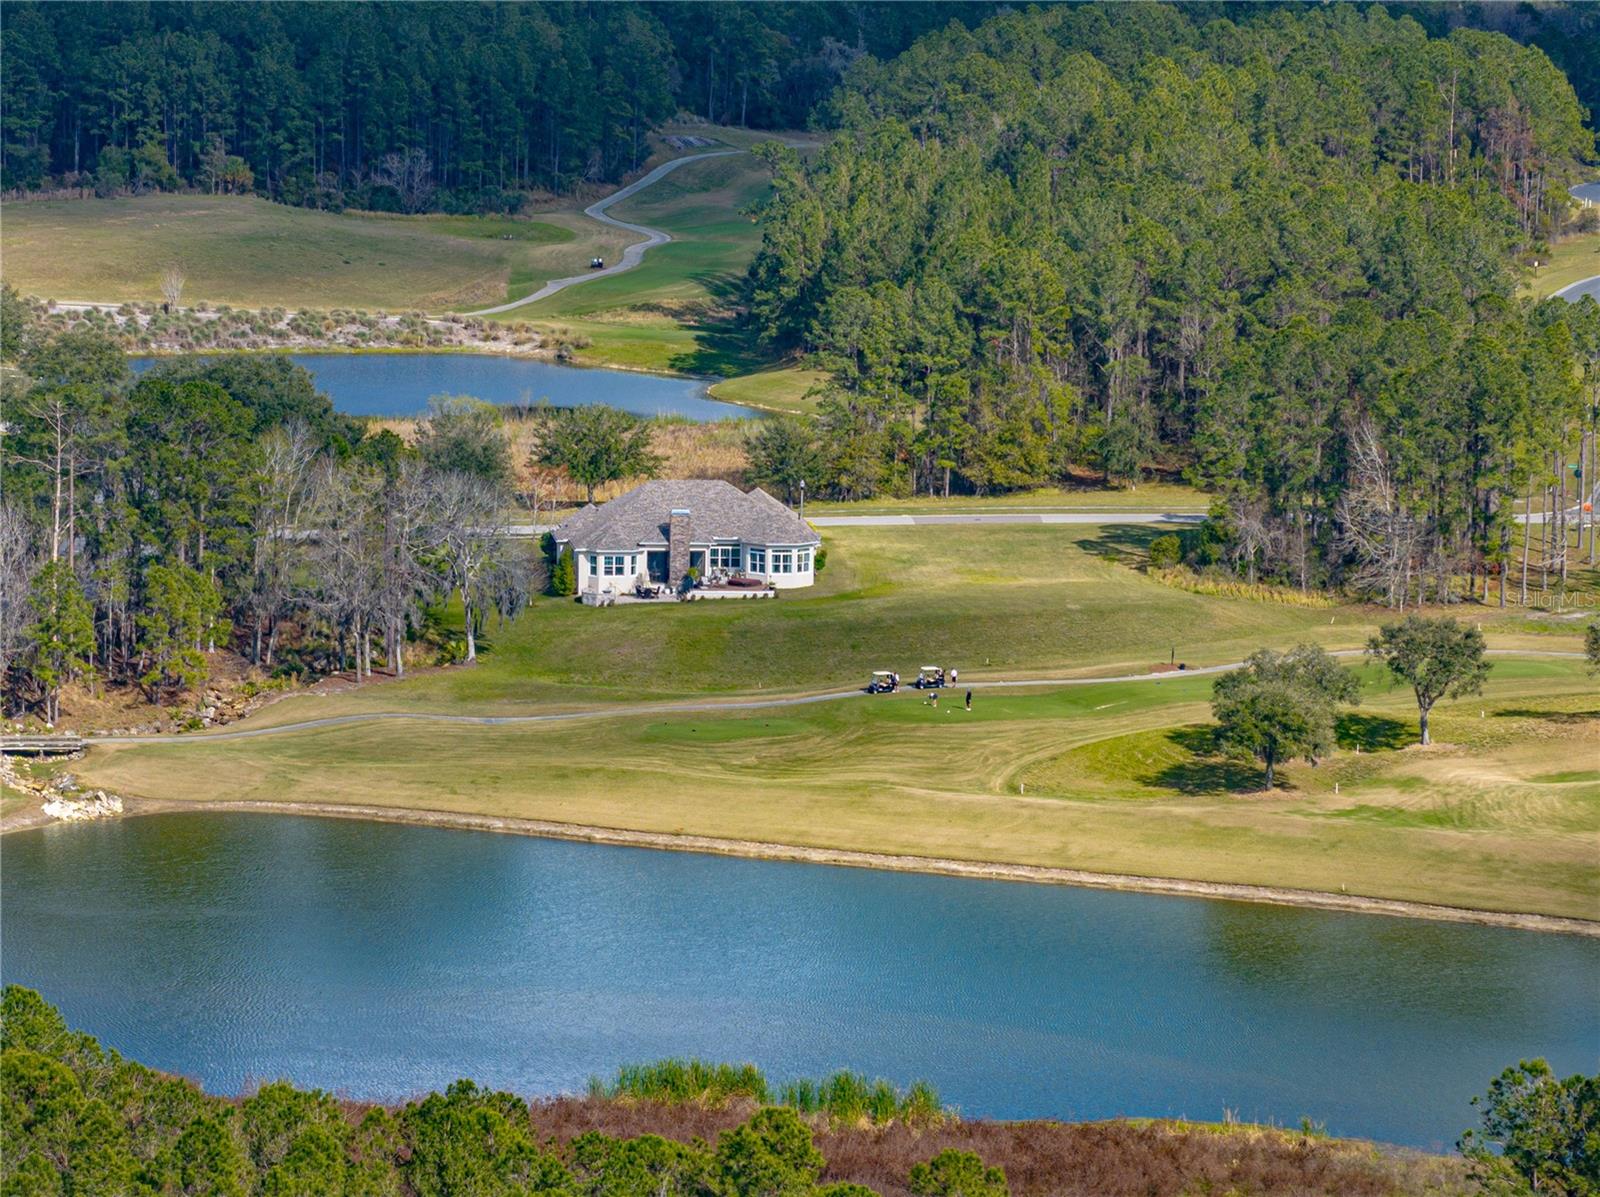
{"type": "Point", "coordinates": [383, 960]}
{"type": "Point", "coordinates": [400, 384]}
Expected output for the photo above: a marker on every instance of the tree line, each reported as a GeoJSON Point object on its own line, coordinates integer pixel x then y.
{"type": "Point", "coordinates": [408, 107]}
{"type": "Point", "coordinates": [82, 1119]}
{"type": "Point", "coordinates": [220, 503]}
{"type": "Point", "coordinates": [1275, 253]}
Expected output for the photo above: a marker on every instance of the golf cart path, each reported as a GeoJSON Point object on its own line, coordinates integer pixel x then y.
{"type": "Point", "coordinates": [633, 254]}
{"type": "Point", "coordinates": [1586, 194]}
{"type": "Point", "coordinates": [1573, 292]}
{"type": "Point", "coordinates": [621, 710]}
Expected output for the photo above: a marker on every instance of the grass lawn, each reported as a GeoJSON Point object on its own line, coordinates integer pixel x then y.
{"type": "Point", "coordinates": [998, 600]}
{"type": "Point", "coordinates": [1503, 814]}
{"type": "Point", "coordinates": [1568, 261]}
{"type": "Point", "coordinates": [673, 312]}
{"type": "Point", "coordinates": [249, 252]}
{"type": "Point", "coordinates": [246, 251]}
{"type": "Point", "coordinates": [782, 388]}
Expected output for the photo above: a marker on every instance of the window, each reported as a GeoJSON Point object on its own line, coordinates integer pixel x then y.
{"type": "Point", "coordinates": [802, 561]}
{"type": "Point", "coordinates": [616, 566]}
{"type": "Point", "coordinates": [724, 556]}
{"type": "Point", "coordinates": [758, 561]}
{"type": "Point", "coordinates": [782, 561]}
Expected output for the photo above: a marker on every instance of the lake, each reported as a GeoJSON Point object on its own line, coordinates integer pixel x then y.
{"type": "Point", "coordinates": [382, 960]}
{"type": "Point", "coordinates": [400, 384]}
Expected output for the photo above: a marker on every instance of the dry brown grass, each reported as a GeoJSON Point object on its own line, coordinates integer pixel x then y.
{"type": "Point", "coordinates": [1059, 1159]}
{"type": "Point", "coordinates": [715, 450]}
{"type": "Point", "coordinates": [1144, 1158]}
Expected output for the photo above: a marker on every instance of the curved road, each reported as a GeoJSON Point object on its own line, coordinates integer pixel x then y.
{"type": "Point", "coordinates": [1573, 292]}
{"type": "Point", "coordinates": [677, 708]}
{"type": "Point", "coordinates": [1586, 194]}
{"type": "Point", "coordinates": [633, 254]}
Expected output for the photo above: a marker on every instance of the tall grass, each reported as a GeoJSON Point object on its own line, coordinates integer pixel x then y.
{"type": "Point", "coordinates": [716, 450]}
{"type": "Point", "coordinates": [677, 1081]}
{"type": "Point", "coordinates": [845, 1098]}
{"type": "Point", "coordinates": [851, 1099]}
{"type": "Point", "coordinates": [1182, 578]}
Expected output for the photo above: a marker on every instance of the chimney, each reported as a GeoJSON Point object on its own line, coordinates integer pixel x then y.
{"type": "Point", "coordinates": [677, 546]}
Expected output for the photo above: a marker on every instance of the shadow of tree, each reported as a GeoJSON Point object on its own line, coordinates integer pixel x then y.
{"type": "Point", "coordinates": [725, 345]}
{"type": "Point", "coordinates": [1562, 717]}
{"type": "Point", "coordinates": [1124, 544]}
{"type": "Point", "coordinates": [1373, 733]}
{"type": "Point", "coordinates": [1204, 771]}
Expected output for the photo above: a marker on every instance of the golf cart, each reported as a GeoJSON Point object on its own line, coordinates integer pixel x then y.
{"type": "Point", "coordinates": [883, 682]}
{"type": "Point", "coordinates": [929, 677]}
{"type": "Point", "coordinates": [597, 263]}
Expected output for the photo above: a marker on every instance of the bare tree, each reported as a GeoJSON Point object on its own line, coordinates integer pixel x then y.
{"type": "Point", "coordinates": [1255, 538]}
{"type": "Point", "coordinates": [470, 536]}
{"type": "Point", "coordinates": [410, 173]}
{"type": "Point", "coordinates": [278, 540]}
{"type": "Point", "coordinates": [172, 280]}
{"type": "Point", "coordinates": [17, 565]}
{"type": "Point", "coordinates": [346, 556]}
{"type": "Point", "coordinates": [1375, 528]}
{"type": "Point", "coordinates": [405, 581]}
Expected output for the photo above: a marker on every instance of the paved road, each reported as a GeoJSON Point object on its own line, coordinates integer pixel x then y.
{"type": "Point", "coordinates": [1573, 292]}
{"type": "Point", "coordinates": [633, 254]}
{"type": "Point", "coordinates": [677, 708]}
{"type": "Point", "coordinates": [1584, 193]}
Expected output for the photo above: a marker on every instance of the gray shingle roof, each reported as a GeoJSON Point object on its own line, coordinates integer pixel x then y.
{"type": "Point", "coordinates": [717, 511]}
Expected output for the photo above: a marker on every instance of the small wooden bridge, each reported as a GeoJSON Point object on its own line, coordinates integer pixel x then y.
{"type": "Point", "coordinates": [41, 745]}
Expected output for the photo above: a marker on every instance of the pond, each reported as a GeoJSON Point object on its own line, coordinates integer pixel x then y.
{"type": "Point", "coordinates": [382, 960]}
{"type": "Point", "coordinates": [400, 384]}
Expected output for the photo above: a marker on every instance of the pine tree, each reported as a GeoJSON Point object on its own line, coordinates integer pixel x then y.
{"type": "Point", "coordinates": [564, 579]}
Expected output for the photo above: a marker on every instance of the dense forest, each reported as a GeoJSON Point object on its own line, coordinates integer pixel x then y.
{"type": "Point", "coordinates": [1277, 254]}
{"type": "Point", "coordinates": [467, 107]}
{"type": "Point", "coordinates": [406, 106]}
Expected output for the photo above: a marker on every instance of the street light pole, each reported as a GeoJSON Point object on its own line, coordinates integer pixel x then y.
{"type": "Point", "coordinates": [802, 498]}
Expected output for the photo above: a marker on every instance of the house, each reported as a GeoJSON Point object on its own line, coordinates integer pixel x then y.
{"type": "Point", "coordinates": [658, 532]}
